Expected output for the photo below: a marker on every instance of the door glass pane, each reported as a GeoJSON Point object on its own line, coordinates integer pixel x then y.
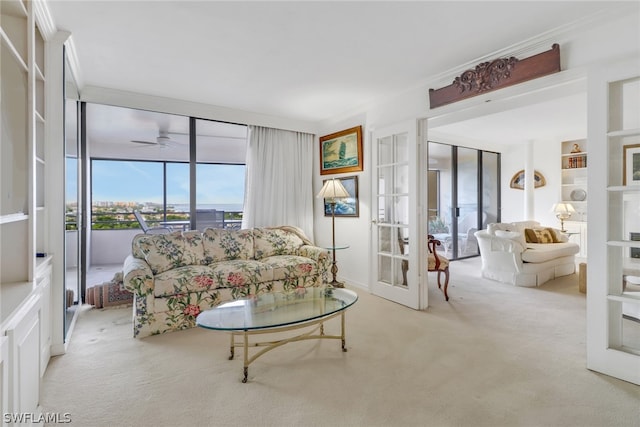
{"type": "Point", "coordinates": [467, 201]}
{"type": "Point", "coordinates": [490, 188]}
{"type": "Point", "coordinates": [393, 208]}
{"type": "Point", "coordinates": [385, 151]}
{"type": "Point", "coordinates": [440, 217]}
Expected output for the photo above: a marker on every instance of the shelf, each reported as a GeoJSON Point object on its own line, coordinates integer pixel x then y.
{"type": "Point", "coordinates": [624, 243]}
{"type": "Point", "coordinates": [623, 133]}
{"type": "Point", "coordinates": [582, 153]}
{"type": "Point", "coordinates": [13, 8]}
{"type": "Point", "coordinates": [624, 188]}
{"type": "Point", "coordinates": [6, 42]}
{"type": "Point", "coordinates": [6, 219]}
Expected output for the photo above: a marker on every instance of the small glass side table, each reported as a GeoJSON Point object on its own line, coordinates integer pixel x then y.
{"type": "Point", "coordinates": [334, 266]}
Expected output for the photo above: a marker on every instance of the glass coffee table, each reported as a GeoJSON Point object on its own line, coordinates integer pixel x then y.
{"type": "Point", "coordinates": [277, 312]}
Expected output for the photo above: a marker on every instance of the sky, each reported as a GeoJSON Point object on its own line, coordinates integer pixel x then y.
{"type": "Point", "coordinates": [136, 181]}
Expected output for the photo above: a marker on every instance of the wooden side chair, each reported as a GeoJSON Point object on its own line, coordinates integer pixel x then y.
{"type": "Point", "coordinates": [438, 263]}
{"type": "Point", "coordinates": [405, 263]}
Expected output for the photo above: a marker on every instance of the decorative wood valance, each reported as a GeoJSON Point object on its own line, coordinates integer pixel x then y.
{"type": "Point", "coordinates": [497, 74]}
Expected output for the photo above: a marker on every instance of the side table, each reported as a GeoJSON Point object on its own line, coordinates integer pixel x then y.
{"type": "Point", "coordinates": [334, 266]}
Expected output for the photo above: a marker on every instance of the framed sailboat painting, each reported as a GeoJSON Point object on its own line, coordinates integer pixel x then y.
{"type": "Point", "coordinates": [341, 152]}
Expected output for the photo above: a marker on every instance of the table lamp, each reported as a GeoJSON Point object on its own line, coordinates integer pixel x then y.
{"type": "Point", "coordinates": [332, 190]}
{"type": "Point", "coordinates": [563, 212]}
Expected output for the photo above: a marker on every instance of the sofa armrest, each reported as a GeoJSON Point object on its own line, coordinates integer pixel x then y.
{"type": "Point", "coordinates": [137, 276]}
{"type": "Point", "coordinates": [492, 243]}
{"type": "Point", "coordinates": [319, 255]}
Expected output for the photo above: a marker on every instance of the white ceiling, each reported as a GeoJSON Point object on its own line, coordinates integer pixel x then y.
{"type": "Point", "coordinates": [297, 59]}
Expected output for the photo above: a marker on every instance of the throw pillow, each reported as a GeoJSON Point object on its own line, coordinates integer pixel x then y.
{"type": "Point", "coordinates": [540, 235]}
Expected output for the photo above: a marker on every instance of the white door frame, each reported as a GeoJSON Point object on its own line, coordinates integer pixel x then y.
{"type": "Point", "coordinates": [414, 295]}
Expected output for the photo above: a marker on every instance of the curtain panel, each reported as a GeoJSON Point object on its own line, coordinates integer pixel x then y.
{"type": "Point", "coordinates": [279, 180]}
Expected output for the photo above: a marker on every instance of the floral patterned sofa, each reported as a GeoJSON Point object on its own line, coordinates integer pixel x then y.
{"type": "Point", "coordinates": [175, 276]}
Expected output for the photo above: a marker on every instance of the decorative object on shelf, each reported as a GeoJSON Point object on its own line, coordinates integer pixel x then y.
{"type": "Point", "coordinates": [517, 181]}
{"type": "Point", "coordinates": [341, 152]}
{"type": "Point", "coordinates": [578, 195]}
{"type": "Point", "coordinates": [332, 190]}
{"type": "Point", "coordinates": [576, 149]}
{"type": "Point", "coordinates": [563, 212]}
{"type": "Point", "coordinates": [631, 165]}
{"type": "Point", "coordinates": [579, 161]}
{"type": "Point", "coordinates": [347, 207]}
{"type": "Point", "coordinates": [497, 74]}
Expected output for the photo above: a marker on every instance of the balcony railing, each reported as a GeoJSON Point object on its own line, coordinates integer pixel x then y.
{"type": "Point", "coordinates": [119, 220]}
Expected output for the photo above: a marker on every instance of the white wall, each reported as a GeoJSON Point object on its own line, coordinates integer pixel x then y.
{"type": "Point", "coordinates": [355, 232]}
{"type": "Point", "coordinates": [546, 160]}
{"type": "Point", "coordinates": [580, 47]}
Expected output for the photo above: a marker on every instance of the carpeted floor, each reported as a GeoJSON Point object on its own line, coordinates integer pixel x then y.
{"type": "Point", "coordinates": [495, 355]}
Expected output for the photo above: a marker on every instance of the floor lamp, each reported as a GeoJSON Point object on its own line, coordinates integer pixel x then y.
{"type": "Point", "coordinates": [332, 190]}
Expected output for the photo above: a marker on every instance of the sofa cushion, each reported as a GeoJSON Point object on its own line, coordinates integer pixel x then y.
{"type": "Point", "coordinates": [181, 280]}
{"type": "Point", "coordinates": [290, 266]}
{"type": "Point", "coordinates": [240, 273]}
{"type": "Point", "coordinates": [274, 241]}
{"type": "Point", "coordinates": [224, 245]}
{"type": "Point", "coordinates": [541, 252]}
{"type": "Point", "coordinates": [168, 251]}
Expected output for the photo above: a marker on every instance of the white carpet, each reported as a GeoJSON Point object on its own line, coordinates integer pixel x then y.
{"type": "Point", "coordinates": [495, 355]}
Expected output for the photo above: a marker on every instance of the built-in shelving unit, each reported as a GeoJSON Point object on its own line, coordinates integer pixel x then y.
{"type": "Point", "coordinates": [574, 176]}
{"type": "Point", "coordinates": [623, 193]}
{"type": "Point", "coordinates": [574, 190]}
{"type": "Point", "coordinates": [25, 277]}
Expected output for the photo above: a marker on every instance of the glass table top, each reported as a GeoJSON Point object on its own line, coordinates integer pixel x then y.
{"type": "Point", "coordinates": [276, 309]}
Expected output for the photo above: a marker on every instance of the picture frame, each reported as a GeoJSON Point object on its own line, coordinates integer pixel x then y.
{"type": "Point", "coordinates": [631, 164]}
{"type": "Point", "coordinates": [517, 181]}
{"type": "Point", "coordinates": [347, 207]}
{"type": "Point", "coordinates": [341, 152]}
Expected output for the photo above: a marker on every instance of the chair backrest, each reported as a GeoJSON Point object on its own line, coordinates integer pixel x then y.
{"type": "Point", "coordinates": [400, 241]}
{"type": "Point", "coordinates": [209, 218]}
{"type": "Point", "coordinates": [141, 221]}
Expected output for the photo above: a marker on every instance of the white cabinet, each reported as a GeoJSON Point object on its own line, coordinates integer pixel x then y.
{"type": "Point", "coordinates": [23, 333]}
{"type": "Point", "coordinates": [26, 327]}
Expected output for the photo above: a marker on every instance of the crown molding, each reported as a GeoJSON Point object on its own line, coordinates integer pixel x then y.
{"type": "Point", "coordinates": [45, 20]}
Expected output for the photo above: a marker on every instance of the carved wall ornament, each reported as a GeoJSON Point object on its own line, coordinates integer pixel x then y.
{"type": "Point", "coordinates": [485, 75]}
{"type": "Point", "coordinates": [496, 74]}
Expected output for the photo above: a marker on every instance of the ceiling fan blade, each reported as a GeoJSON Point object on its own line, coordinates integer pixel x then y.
{"type": "Point", "coordinates": [144, 142]}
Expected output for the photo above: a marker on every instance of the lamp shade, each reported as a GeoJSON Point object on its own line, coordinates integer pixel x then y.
{"type": "Point", "coordinates": [563, 208]}
{"type": "Point", "coordinates": [333, 189]}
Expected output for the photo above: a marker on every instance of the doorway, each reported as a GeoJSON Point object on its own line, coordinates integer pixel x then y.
{"type": "Point", "coordinates": [464, 196]}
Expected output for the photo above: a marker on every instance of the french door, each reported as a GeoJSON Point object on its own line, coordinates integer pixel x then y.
{"type": "Point", "coordinates": [396, 224]}
{"type": "Point", "coordinates": [613, 303]}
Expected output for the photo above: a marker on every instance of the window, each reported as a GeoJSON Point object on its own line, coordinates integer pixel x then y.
{"type": "Point", "coordinates": [140, 161]}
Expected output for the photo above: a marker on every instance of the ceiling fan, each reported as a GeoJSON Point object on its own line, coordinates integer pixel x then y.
{"type": "Point", "coordinates": [163, 140]}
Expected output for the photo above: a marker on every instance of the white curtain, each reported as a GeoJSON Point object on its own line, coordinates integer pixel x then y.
{"type": "Point", "coordinates": [279, 186]}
